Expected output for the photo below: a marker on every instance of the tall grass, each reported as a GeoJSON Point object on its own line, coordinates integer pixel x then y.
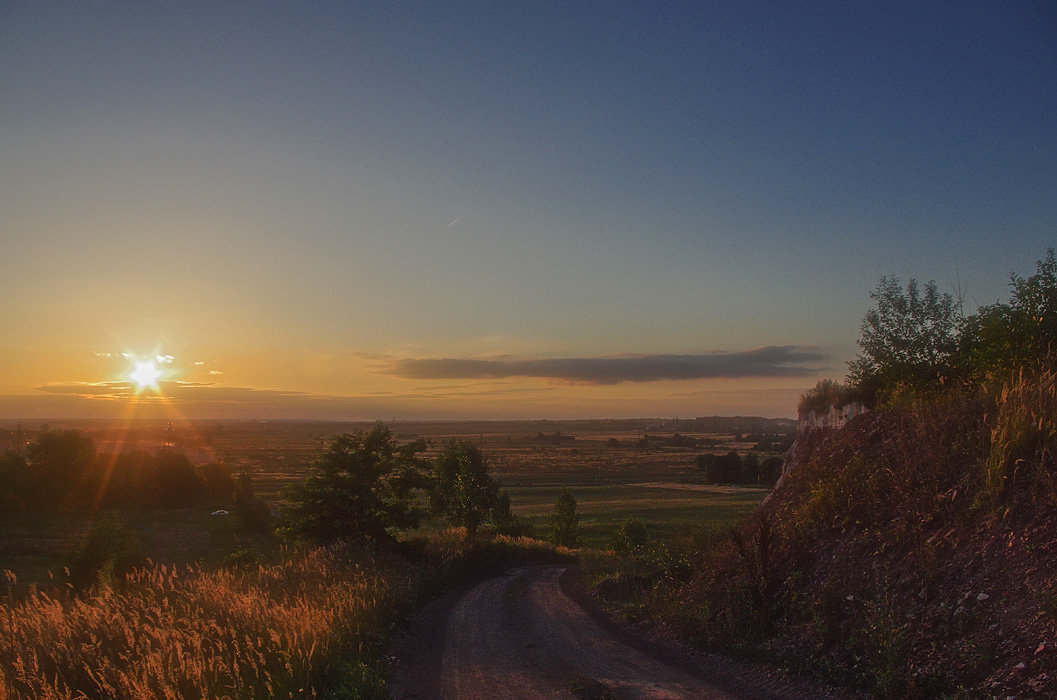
{"type": "Point", "coordinates": [284, 630]}
{"type": "Point", "coordinates": [312, 625]}
{"type": "Point", "coordinates": [1023, 434]}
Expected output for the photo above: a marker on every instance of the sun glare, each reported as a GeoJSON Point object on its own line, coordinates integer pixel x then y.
{"type": "Point", "coordinates": [145, 375]}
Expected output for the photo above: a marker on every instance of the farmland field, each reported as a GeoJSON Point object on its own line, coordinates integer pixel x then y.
{"type": "Point", "coordinates": [613, 472]}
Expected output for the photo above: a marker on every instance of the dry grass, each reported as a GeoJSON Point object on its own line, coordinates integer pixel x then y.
{"type": "Point", "coordinates": [312, 625]}
{"type": "Point", "coordinates": [260, 631]}
{"type": "Point", "coordinates": [1023, 434]}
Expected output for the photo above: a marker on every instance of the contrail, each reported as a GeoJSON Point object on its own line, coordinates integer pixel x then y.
{"type": "Point", "coordinates": [457, 220]}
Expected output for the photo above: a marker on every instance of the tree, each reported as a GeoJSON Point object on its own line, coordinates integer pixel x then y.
{"type": "Point", "coordinates": [59, 462]}
{"type": "Point", "coordinates": [1020, 333]}
{"type": "Point", "coordinates": [360, 488]}
{"type": "Point", "coordinates": [252, 511]}
{"type": "Point", "coordinates": [217, 481]}
{"type": "Point", "coordinates": [13, 481]}
{"type": "Point", "coordinates": [564, 522]}
{"type": "Point", "coordinates": [720, 469]}
{"type": "Point", "coordinates": [463, 491]}
{"type": "Point", "coordinates": [909, 339]}
{"type": "Point", "coordinates": [771, 469]}
{"type": "Point", "coordinates": [750, 469]}
{"type": "Point", "coordinates": [173, 481]}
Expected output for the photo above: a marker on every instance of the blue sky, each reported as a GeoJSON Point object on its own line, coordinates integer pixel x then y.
{"type": "Point", "coordinates": [302, 196]}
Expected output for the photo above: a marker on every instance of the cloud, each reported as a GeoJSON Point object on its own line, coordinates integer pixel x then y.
{"type": "Point", "coordinates": [100, 389]}
{"type": "Point", "coordinates": [772, 361]}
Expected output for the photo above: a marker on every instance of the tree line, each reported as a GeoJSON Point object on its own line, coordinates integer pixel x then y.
{"type": "Point", "coordinates": [733, 468]}
{"type": "Point", "coordinates": [916, 340]}
{"type": "Point", "coordinates": [61, 472]}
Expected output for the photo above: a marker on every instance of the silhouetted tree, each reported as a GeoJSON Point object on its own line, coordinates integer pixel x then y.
{"type": "Point", "coordinates": [174, 483]}
{"type": "Point", "coordinates": [1020, 333]}
{"type": "Point", "coordinates": [217, 481]}
{"type": "Point", "coordinates": [909, 339]}
{"type": "Point", "coordinates": [360, 488]}
{"type": "Point", "coordinates": [58, 463]}
{"type": "Point", "coordinates": [14, 481]}
{"type": "Point", "coordinates": [252, 511]}
{"type": "Point", "coordinates": [770, 470]}
{"type": "Point", "coordinates": [720, 469]}
{"type": "Point", "coordinates": [564, 522]}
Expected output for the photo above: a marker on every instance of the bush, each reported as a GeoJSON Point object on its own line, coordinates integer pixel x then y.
{"type": "Point", "coordinates": [109, 551]}
{"type": "Point", "coordinates": [823, 396]}
{"type": "Point", "coordinates": [630, 536]}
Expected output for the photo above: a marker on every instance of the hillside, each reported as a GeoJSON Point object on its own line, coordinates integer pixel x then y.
{"type": "Point", "coordinates": [910, 553]}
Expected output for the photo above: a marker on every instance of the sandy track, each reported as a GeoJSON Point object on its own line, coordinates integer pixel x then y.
{"type": "Point", "coordinates": [527, 634]}
{"type": "Point", "coordinates": [520, 635]}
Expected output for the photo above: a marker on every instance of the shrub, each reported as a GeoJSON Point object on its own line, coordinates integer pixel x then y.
{"type": "Point", "coordinates": [108, 552]}
{"type": "Point", "coordinates": [827, 394]}
{"type": "Point", "coordinates": [629, 537]}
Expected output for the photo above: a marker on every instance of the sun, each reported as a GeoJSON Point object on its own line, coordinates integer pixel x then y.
{"type": "Point", "coordinates": [145, 375]}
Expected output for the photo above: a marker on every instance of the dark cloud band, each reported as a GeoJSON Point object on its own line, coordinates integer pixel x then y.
{"type": "Point", "coordinates": [773, 361]}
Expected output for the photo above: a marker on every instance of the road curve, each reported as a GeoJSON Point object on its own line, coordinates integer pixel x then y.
{"type": "Point", "coordinates": [519, 635]}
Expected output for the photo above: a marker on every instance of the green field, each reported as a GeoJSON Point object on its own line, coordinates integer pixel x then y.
{"type": "Point", "coordinates": [669, 510]}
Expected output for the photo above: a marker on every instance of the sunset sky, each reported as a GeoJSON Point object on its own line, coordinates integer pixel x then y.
{"type": "Point", "coordinates": [489, 210]}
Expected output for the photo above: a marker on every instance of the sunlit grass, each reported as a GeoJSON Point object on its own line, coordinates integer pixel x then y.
{"type": "Point", "coordinates": [256, 631]}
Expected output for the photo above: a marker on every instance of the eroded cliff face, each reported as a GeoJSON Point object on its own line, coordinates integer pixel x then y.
{"type": "Point", "coordinates": [811, 430]}
{"type": "Point", "coordinates": [833, 419]}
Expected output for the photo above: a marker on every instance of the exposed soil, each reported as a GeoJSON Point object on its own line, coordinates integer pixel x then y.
{"type": "Point", "coordinates": [530, 633]}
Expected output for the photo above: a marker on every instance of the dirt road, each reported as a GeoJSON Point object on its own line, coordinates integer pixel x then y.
{"type": "Point", "coordinates": [522, 635]}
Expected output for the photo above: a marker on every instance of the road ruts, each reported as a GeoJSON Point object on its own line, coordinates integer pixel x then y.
{"type": "Point", "coordinates": [520, 636]}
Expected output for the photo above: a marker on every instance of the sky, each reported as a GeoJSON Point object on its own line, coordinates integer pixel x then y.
{"type": "Point", "coordinates": [406, 210]}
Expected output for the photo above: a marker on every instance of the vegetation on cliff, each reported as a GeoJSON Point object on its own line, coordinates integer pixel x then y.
{"type": "Point", "coordinates": [911, 552]}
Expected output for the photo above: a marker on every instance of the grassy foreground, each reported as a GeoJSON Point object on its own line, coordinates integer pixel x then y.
{"type": "Point", "coordinates": [311, 625]}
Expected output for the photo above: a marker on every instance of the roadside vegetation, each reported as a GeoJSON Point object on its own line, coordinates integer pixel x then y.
{"type": "Point", "coordinates": [307, 616]}
{"type": "Point", "coordinates": [909, 553]}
